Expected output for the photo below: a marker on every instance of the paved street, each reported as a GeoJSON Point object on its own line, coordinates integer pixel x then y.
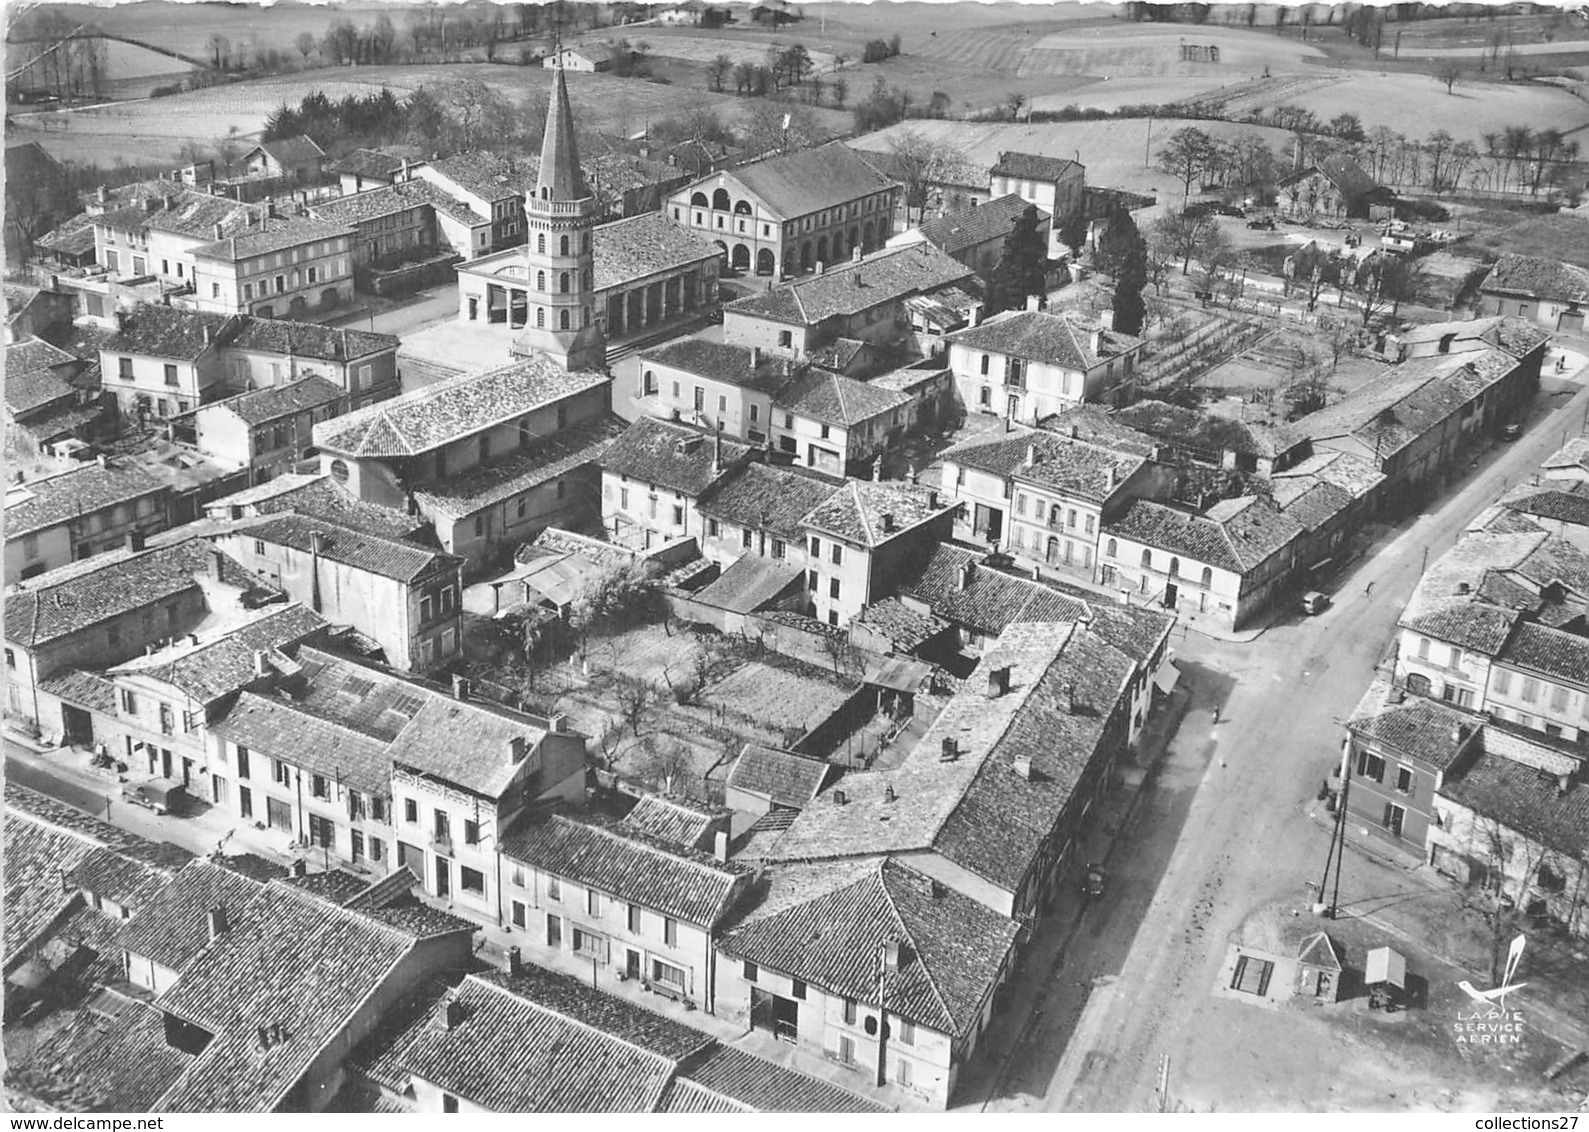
{"type": "Point", "coordinates": [1226, 829]}
{"type": "Point", "coordinates": [423, 309]}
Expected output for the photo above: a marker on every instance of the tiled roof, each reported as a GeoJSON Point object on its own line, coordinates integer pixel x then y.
{"type": "Point", "coordinates": [749, 583]}
{"type": "Point", "coordinates": [1526, 800]}
{"type": "Point", "coordinates": [683, 1095]}
{"type": "Point", "coordinates": [368, 163]}
{"type": "Point", "coordinates": [755, 1084]}
{"type": "Point", "coordinates": [1050, 339]}
{"type": "Point", "coordinates": [1341, 171]}
{"type": "Point", "coordinates": [1552, 652]}
{"type": "Point", "coordinates": [292, 151]}
{"type": "Point", "coordinates": [557, 455]}
{"type": "Point", "coordinates": [837, 399]}
{"type": "Point", "coordinates": [768, 497]}
{"type": "Point", "coordinates": [1537, 277]}
{"type": "Point", "coordinates": [271, 234]}
{"type": "Point", "coordinates": [969, 227]}
{"type": "Point", "coordinates": [1430, 731]}
{"type": "Point", "coordinates": [175, 209]}
{"type": "Point", "coordinates": [885, 276]}
{"type": "Point", "coordinates": [427, 418]}
{"type": "Point", "coordinates": [671, 820]}
{"type": "Point", "coordinates": [672, 456]}
{"type": "Point", "coordinates": [782, 777]}
{"type": "Point", "coordinates": [399, 560]}
{"type": "Point", "coordinates": [27, 390]}
{"type": "Point", "coordinates": [618, 172]}
{"type": "Point", "coordinates": [990, 600]}
{"type": "Point", "coordinates": [83, 689]}
{"type": "Point", "coordinates": [464, 742]}
{"type": "Point", "coordinates": [390, 199]}
{"type": "Point", "coordinates": [105, 1064]}
{"type": "Point", "coordinates": [43, 503]}
{"type": "Point", "coordinates": [321, 497]}
{"type": "Point", "coordinates": [168, 332]}
{"type": "Point", "coordinates": [1237, 540]}
{"type": "Point", "coordinates": [281, 729]}
{"type": "Point", "coordinates": [546, 1043]}
{"type": "Point", "coordinates": [630, 866]}
{"type": "Point", "coordinates": [173, 928]}
{"type": "Point", "coordinates": [1563, 502]}
{"type": "Point", "coordinates": [903, 625]}
{"type": "Point", "coordinates": [73, 597]}
{"type": "Point", "coordinates": [872, 512]}
{"type": "Point", "coordinates": [310, 340]}
{"type": "Point", "coordinates": [1352, 474]}
{"type": "Point", "coordinates": [336, 885]}
{"type": "Point", "coordinates": [212, 669]}
{"type": "Point", "coordinates": [50, 811]}
{"type": "Point", "coordinates": [38, 858]}
{"type": "Point", "coordinates": [631, 249]}
{"type": "Point", "coordinates": [33, 354]}
{"type": "Point", "coordinates": [808, 181]}
{"type": "Point", "coordinates": [486, 175]}
{"type": "Point", "coordinates": [260, 406]}
{"type": "Point", "coordinates": [298, 963]}
{"type": "Point", "coordinates": [721, 361]}
{"type": "Point", "coordinates": [1209, 432]}
{"type": "Point", "coordinates": [839, 354]}
{"type": "Point", "coordinates": [1033, 167]}
{"type": "Point", "coordinates": [1099, 425]}
{"type": "Point", "coordinates": [73, 236]}
{"type": "Point", "coordinates": [1317, 505]}
{"type": "Point", "coordinates": [953, 950]}
{"type": "Point", "coordinates": [1073, 467]}
{"type": "Point", "coordinates": [127, 881]}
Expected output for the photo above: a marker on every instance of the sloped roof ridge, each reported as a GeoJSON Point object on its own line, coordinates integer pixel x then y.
{"type": "Point", "coordinates": [606, 1035]}
{"type": "Point", "coordinates": [920, 957]}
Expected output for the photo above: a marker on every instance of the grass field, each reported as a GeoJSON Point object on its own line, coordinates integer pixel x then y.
{"type": "Point", "coordinates": [157, 129]}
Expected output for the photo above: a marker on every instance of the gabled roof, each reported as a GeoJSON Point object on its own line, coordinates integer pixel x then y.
{"type": "Point", "coordinates": [173, 928]}
{"type": "Point", "coordinates": [1563, 502]}
{"type": "Point", "coordinates": [1209, 432]}
{"type": "Point", "coordinates": [281, 729]}
{"type": "Point", "coordinates": [1341, 171]}
{"type": "Point", "coordinates": [629, 865]}
{"type": "Point", "coordinates": [551, 457]}
{"type": "Point", "coordinates": [1034, 167]}
{"type": "Point", "coordinates": [319, 496]}
{"type": "Point", "coordinates": [1316, 506]}
{"type": "Point", "coordinates": [725, 1079]}
{"type": "Point", "coordinates": [427, 418]}
{"type": "Point", "coordinates": [292, 151]}
{"type": "Point", "coordinates": [1237, 535]}
{"type": "Point", "coordinates": [270, 234]}
{"type": "Point", "coordinates": [27, 390]}
{"type": "Point", "coordinates": [885, 276]}
{"type": "Point", "coordinates": [989, 601]}
{"type": "Point", "coordinates": [836, 399]}
{"type": "Point", "coordinates": [672, 456]}
{"type": "Point", "coordinates": [953, 951]}
{"type": "Point", "coordinates": [368, 163]}
{"type": "Point", "coordinates": [723, 361]}
{"type": "Point", "coordinates": [310, 340]}
{"type": "Point", "coordinates": [484, 174]}
{"type": "Point", "coordinates": [260, 406]}
{"type": "Point", "coordinates": [1097, 424]}
{"type": "Point", "coordinates": [768, 497]}
{"type": "Point", "coordinates": [672, 820]}
{"type": "Point", "coordinates": [800, 183]}
{"type": "Point", "coordinates": [157, 331]}
{"type": "Point", "coordinates": [1071, 467]}
{"type": "Point", "coordinates": [397, 559]}
{"type": "Point", "coordinates": [971, 227]}
{"type": "Point", "coordinates": [209, 670]}
{"type": "Point", "coordinates": [782, 777]}
{"type": "Point", "coordinates": [1529, 801]}
{"type": "Point", "coordinates": [872, 512]}
{"type": "Point", "coordinates": [1050, 339]}
{"type": "Point", "coordinates": [1551, 652]}
{"type": "Point", "coordinates": [542, 1042]}
{"type": "Point", "coordinates": [387, 200]}
{"type": "Point", "coordinates": [635, 247]}
{"type": "Point", "coordinates": [1536, 277]}
{"type": "Point", "coordinates": [750, 583]}
{"type": "Point", "coordinates": [1416, 727]}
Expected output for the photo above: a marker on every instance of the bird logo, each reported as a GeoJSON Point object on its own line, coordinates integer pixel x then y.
{"type": "Point", "coordinates": [1497, 996]}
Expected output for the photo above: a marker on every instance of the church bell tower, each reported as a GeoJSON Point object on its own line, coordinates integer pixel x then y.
{"type": "Point", "coordinates": [559, 214]}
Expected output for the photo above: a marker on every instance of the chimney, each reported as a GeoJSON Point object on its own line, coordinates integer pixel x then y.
{"type": "Point", "coordinates": [950, 751]}
{"type": "Point", "coordinates": [216, 922]}
{"type": "Point", "coordinates": [998, 681]}
{"type": "Point", "coordinates": [819, 267]}
{"type": "Point", "coordinates": [300, 868]}
{"type": "Point", "coordinates": [100, 460]}
{"type": "Point", "coordinates": [964, 580]}
{"type": "Point", "coordinates": [1031, 455]}
{"type": "Point", "coordinates": [1034, 303]}
{"type": "Point", "coordinates": [755, 358]}
{"type": "Point", "coordinates": [888, 792]}
{"type": "Point", "coordinates": [717, 448]}
{"type": "Point", "coordinates": [261, 664]}
{"type": "Point", "coordinates": [938, 889]}
{"type": "Point", "coordinates": [891, 955]}
{"type": "Point", "coordinates": [855, 255]}
{"type": "Point", "coordinates": [877, 469]}
{"type": "Point", "coordinates": [838, 798]}
{"type": "Point", "coordinates": [209, 334]}
{"type": "Point", "coordinates": [214, 559]}
{"type": "Point", "coordinates": [460, 687]}
{"type": "Point", "coordinates": [1563, 784]}
{"type": "Point", "coordinates": [932, 499]}
{"type": "Point", "coordinates": [1109, 478]}
{"type": "Point", "coordinates": [516, 747]}
{"type": "Point", "coordinates": [888, 522]}
{"type": "Point", "coordinates": [101, 194]}
{"type": "Point", "coordinates": [215, 231]}
{"type": "Point", "coordinates": [1067, 698]}
{"type": "Point", "coordinates": [135, 540]}
{"type": "Point", "coordinates": [318, 543]}
{"type": "Point", "coordinates": [515, 962]}
{"type": "Point", "coordinates": [451, 1016]}
{"type": "Point", "coordinates": [857, 278]}
{"type": "Point", "coordinates": [1023, 766]}
{"type": "Point", "coordinates": [720, 845]}
{"type": "Point", "coordinates": [1097, 343]}
{"type": "Point", "coordinates": [1074, 431]}
{"type": "Point", "coordinates": [264, 1037]}
{"type": "Point", "coordinates": [193, 638]}
{"type": "Point", "coordinates": [1459, 732]}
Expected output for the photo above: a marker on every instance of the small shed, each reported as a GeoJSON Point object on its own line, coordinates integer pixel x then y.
{"type": "Point", "coordinates": [1319, 969]}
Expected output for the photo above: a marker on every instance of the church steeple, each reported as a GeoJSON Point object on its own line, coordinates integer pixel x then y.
{"type": "Point", "coordinates": [559, 214]}
{"type": "Point", "coordinates": [560, 171]}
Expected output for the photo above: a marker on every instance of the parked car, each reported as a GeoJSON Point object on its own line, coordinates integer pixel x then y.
{"type": "Point", "coordinates": [1200, 208]}
{"type": "Point", "coordinates": [162, 795]}
{"type": "Point", "coordinates": [1262, 223]}
{"type": "Point", "coordinates": [1230, 210]}
{"type": "Point", "coordinates": [1511, 430]}
{"type": "Point", "coordinates": [1314, 602]}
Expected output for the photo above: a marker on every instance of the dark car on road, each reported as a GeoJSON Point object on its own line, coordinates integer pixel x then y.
{"type": "Point", "coordinates": [1263, 223]}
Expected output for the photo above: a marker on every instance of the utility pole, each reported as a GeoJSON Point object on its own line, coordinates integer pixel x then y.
{"type": "Point", "coordinates": [1163, 1087]}
{"type": "Point", "coordinates": [1147, 143]}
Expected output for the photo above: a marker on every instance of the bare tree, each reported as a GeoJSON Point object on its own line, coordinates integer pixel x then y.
{"type": "Point", "coordinates": [1449, 72]}
{"type": "Point", "coordinates": [919, 163]}
{"type": "Point", "coordinates": [636, 701]}
{"type": "Point", "coordinates": [718, 70]}
{"type": "Point", "coordinates": [305, 45]}
{"type": "Point", "coordinates": [668, 763]}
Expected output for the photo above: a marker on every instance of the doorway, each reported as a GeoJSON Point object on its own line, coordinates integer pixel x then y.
{"type": "Point", "coordinates": [245, 802]}
{"type": "Point", "coordinates": [631, 964]}
{"type": "Point", "coordinates": [443, 877]}
{"type": "Point", "coordinates": [1170, 593]}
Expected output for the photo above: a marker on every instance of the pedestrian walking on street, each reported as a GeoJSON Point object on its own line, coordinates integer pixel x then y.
{"type": "Point", "coordinates": [1368, 590]}
{"type": "Point", "coordinates": [1216, 713]}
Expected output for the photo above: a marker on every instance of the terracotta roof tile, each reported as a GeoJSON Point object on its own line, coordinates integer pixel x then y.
{"type": "Point", "coordinates": [970, 227]}
{"type": "Point", "coordinates": [782, 777]}
{"type": "Point", "coordinates": [672, 456]}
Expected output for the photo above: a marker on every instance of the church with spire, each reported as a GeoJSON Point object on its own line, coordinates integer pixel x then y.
{"type": "Point", "coordinates": [559, 215]}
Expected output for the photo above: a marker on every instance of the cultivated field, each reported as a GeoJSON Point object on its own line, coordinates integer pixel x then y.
{"type": "Point", "coordinates": [1116, 153]}
{"type": "Point", "coordinates": [157, 129]}
{"type": "Point", "coordinates": [677, 43]}
{"type": "Point", "coordinates": [1121, 49]}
